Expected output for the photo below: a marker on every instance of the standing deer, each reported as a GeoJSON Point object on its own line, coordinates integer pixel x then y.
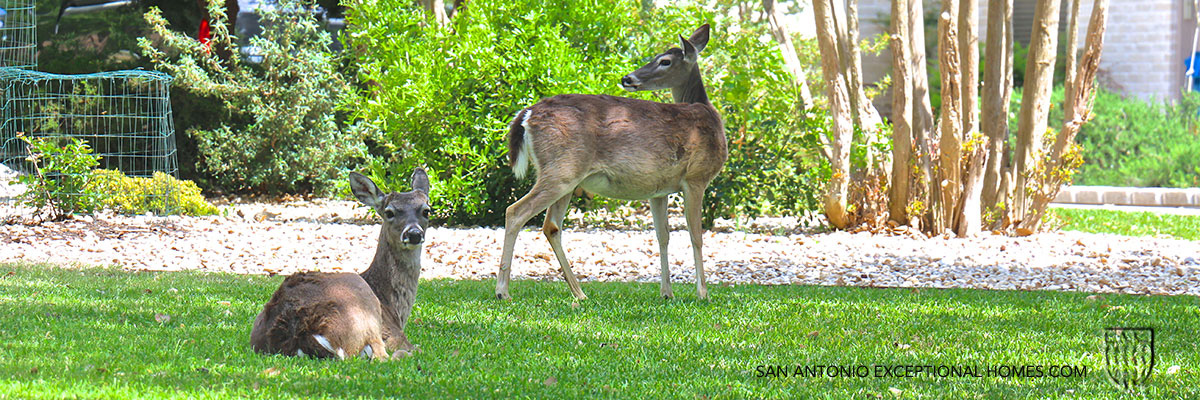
{"type": "Point", "coordinates": [622, 148]}
{"type": "Point", "coordinates": [339, 314]}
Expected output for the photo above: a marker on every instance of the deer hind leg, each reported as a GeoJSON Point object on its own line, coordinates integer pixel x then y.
{"type": "Point", "coordinates": [553, 230]}
{"type": "Point", "coordinates": [658, 208]}
{"type": "Point", "coordinates": [374, 350]}
{"type": "Point", "coordinates": [693, 204]}
{"type": "Point", "coordinates": [544, 193]}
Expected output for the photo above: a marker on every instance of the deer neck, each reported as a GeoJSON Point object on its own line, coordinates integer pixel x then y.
{"type": "Point", "coordinates": [692, 89]}
{"type": "Point", "coordinates": [393, 277]}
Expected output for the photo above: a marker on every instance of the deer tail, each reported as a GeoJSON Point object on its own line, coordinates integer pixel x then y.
{"type": "Point", "coordinates": [519, 149]}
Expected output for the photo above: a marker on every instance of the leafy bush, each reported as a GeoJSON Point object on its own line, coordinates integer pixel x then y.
{"type": "Point", "coordinates": [160, 194]}
{"type": "Point", "coordinates": [1130, 142]}
{"type": "Point", "coordinates": [445, 95]}
{"type": "Point", "coordinates": [62, 168]}
{"type": "Point", "coordinates": [285, 131]}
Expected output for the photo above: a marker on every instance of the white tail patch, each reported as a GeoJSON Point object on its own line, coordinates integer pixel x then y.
{"type": "Point", "coordinates": [525, 153]}
{"type": "Point", "coordinates": [321, 340]}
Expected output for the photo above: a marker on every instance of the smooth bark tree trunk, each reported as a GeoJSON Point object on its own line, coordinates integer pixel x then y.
{"type": "Point", "coordinates": [1072, 44]}
{"type": "Point", "coordinates": [437, 10]}
{"type": "Point", "coordinates": [791, 61]}
{"type": "Point", "coordinates": [997, 87]}
{"type": "Point", "coordinates": [950, 122]}
{"type": "Point", "coordinates": [902, 109]}
{"type": "Point", "coordinates": [1057, 171]}
{"type": "Point", "coordinates": [922, 117]}
{"type": "Point", "coordinates": [1035, 101]}
{"type": "Point", "coordinates": [970, 209]}
{"type": "Point", "coordinates": [836, 196]}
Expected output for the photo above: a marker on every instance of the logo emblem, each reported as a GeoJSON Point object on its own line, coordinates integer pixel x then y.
{"type": "Point", "coordinates": [1128, 355]}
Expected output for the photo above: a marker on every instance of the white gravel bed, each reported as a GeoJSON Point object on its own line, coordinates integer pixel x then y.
{"type": "Point", "coordinates": [341, 236]}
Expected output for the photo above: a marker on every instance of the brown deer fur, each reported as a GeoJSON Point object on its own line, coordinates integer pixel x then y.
{"type": "Point", "coordinates": [345, 314]}
{"type": "Point", "coordinates": [621, 148]}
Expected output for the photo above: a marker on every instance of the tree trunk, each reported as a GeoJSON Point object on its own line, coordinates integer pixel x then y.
{"type": "Point", "coordinates": [997, 87]}
{"type": "Point", "coordinates": [902, 108]}
{"type": "Point", "coordinates": [839, 106]}
{"type": "Point", "coordinates": [950, 122]}
{"type": "Point", "coordinates": [1035, 100]}
{"type": "Point", "coordinates": [791, 60]}
{"type": "Point", "coordinates": [437, 10]}
{"type": "Point", "coordinates": [922, 117]}
{"type": "Point", "coordinates": [865, 115]}
{"type": "Point", "coordinates": [968, 47]}
{"type": "Point", "coordinates": [1059, 166]}
{"type": "Point", "coordinates": [1072, 44]}
{"type": "Point", "coordinates": [1080, 95]}
{"type": "Point", "coordinates": [970, 210]}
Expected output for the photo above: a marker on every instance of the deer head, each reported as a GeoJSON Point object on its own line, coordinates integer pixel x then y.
{"type": "Point", "coordinates": [671, 69]}
{"type": "Point", "coordinates": [405, 215]}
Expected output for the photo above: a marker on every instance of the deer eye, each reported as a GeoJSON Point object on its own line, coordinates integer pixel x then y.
{"type": "Point", "coordinates": [664, 62]}
{"type": "Point", "coordinates": [389, 214]}
{"type": "Point", "coordinates": [425, 213]}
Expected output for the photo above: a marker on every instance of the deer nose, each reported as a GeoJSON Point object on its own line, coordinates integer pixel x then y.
{"type": "Point", "coordinates": [628, 82]}
{"type": "Point", "coordinates": [413, 236]}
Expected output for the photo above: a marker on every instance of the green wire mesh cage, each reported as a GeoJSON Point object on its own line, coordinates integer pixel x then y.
{"type": "Point", "coordinates": [18, 34]}
{"type": "Point", "coordinates": [124, 116]}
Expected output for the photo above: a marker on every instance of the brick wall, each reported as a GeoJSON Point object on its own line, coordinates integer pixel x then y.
{"type": "Point", "coordinates": [1144, 47]}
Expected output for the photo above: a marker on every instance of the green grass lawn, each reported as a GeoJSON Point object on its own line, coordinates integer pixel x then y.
{"type": "Point", "coordinates": [1129, 223]}
{"type": "Point", "coordinates": [94, 334]}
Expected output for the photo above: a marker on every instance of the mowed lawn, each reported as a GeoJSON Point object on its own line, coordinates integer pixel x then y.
{"type": "Point", "coordinates": [105, 333]}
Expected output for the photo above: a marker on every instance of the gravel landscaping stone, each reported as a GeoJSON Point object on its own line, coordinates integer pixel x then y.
{"type": "Point", "coordinates": [328, 235]}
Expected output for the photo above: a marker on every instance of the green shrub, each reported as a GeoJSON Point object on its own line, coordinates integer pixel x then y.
{"type": "Point", "coordinates": [285, 131]}
{"type": "Point", "coordinates": [62, 168]}
{"type": "Point", "coordinates": [160, 194]}
{"type": "Point", "coordinates": [445, 96]}
{"type": "Point", "coordinates": [1131, 142]}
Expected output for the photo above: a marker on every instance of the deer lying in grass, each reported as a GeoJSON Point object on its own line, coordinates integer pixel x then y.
{"type": "Point", "coordinates": [622, 148]}
{"type": "Point", "coordinates": [344, 314]}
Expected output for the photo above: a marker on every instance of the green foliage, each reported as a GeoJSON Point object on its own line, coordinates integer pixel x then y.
{"type": "Point", "coordinates": [64, 183]}
{"type": "Point", "coordinates": [160, 194]}
{"type": "Point", "coordinates": [62, 328]}
{"type": "Point", "coordinates": [62, 168]}
{"type": "Point", "coordinates": [1130, 142]}
{"type": "Point", "coordinates": [285, 130]}
{"type": "Point", "coordinates": [446, 95]}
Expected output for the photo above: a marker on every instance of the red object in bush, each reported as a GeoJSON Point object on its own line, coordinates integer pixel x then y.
{"type": "Point", "coordinates": [205, 35]}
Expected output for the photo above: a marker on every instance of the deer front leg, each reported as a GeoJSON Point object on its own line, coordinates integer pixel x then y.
{"type": "Point", "coordinates": [658, 209]}
{"type": "Point", "coordinates": [553, 230]}
{"type": "Point", "coordinates": [541, 196]}
{"type": "Point", "coordinates": [693, 203]}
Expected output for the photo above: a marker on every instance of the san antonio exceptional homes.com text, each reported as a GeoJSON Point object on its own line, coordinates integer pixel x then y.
{"type": "Point", "coordinates": [922, 371]}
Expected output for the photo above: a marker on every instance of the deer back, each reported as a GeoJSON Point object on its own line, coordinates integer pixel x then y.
{"type": "Point", "coordinates": [309, 307]}
{"type": "Point", "coordinates": [629, 142]}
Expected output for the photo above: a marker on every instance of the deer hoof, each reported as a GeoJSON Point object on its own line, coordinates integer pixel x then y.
{"type": "Point", "coordinates": [503, 296]}
{"type": "Point", "coordinates": [667, 295]}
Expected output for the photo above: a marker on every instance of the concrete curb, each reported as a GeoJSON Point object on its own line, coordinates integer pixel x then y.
{"type": "Point", "coordinates": [1129, 196]}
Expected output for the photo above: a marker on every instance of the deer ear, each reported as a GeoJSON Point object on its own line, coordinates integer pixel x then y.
{"type": "Point", "coordinates": [365, 190]}
{"type": "Point", "coordinates": [420, 181]}
{"type": "Point", "coordinates": [699, 38]}
{"type": "Point", "coordinates": [689, 51]}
